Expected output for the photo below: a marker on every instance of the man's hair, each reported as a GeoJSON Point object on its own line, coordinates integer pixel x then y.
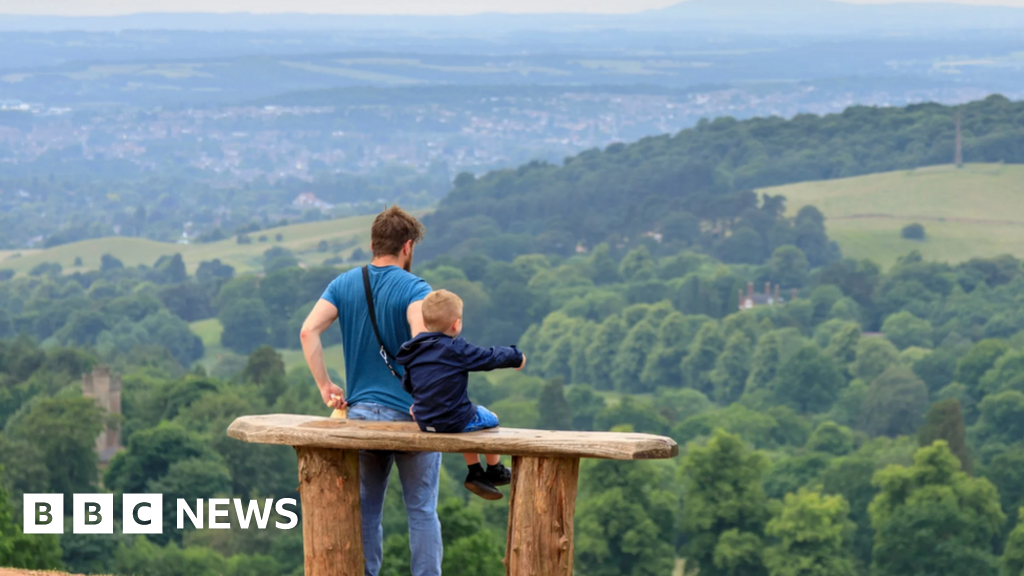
{"type": "Point", "coordinates": [440, 310]}
{"type": "Point", "coordinates": [391, 229]}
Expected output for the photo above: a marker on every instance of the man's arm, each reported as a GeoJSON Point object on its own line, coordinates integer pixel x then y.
{"type": "Point", "coordinates": [414, 314]}
{"type": "Point", "coordinates": [320, 318]}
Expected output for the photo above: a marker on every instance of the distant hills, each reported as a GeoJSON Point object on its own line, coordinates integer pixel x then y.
{"type": "Point", "coordinates": [803, 17]}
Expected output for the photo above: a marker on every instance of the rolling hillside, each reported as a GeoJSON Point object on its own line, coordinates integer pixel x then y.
{"type": "Point", "coordinates": [302, 239]}
{"type": "Point", "coordinates": [976, 211]}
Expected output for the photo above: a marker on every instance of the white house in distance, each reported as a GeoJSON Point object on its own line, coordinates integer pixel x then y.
{"type": "Point", "coordinates": [309, 200]}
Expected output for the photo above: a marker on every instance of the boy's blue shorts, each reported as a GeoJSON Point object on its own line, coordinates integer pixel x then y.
{"type": "Point", "coordinates": [482, 420]}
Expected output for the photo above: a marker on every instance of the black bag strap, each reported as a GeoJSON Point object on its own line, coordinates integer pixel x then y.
{"type": "Point", "coordinates": [384, 353]}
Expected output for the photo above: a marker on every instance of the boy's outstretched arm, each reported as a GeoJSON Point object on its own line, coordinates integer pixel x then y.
{"type": "Point", "coordinates": [477, 359]}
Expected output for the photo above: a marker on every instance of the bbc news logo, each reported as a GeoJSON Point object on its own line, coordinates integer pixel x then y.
{"type": "Point", "coordinates": [144, 513]}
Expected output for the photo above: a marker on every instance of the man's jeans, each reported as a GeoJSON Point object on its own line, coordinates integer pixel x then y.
{"type": "Point", "coordinates": [420, 473]}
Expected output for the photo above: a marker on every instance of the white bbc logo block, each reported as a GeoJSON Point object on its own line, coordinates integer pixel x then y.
{"type": "Point", "coordinates": [93, 514]}
{"type": "Point", "coordinates": [44, 514]}
{"type": "Point", "coordinates": [143, 514]}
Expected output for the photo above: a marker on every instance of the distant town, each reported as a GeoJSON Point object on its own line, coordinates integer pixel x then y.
{"type": "Point", "coordinates": [238, 144]}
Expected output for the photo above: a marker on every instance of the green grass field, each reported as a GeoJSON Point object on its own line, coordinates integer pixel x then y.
{"type": "Point", "coordinates": [302, 239]}
{"type": "Point", "coordinates": [977, 211]}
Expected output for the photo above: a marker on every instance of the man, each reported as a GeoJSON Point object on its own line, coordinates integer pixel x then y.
{"type": "Point", "coordinates": [374, 392]}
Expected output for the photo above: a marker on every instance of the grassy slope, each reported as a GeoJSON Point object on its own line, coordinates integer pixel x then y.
{"type": "Point", "coordinates": [299, 238]}
{"type": "Point", "coordinates": [976, 211]}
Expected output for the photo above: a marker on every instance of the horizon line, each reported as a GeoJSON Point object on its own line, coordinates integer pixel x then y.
{"type": "Point", "coordinates": [151, 13]}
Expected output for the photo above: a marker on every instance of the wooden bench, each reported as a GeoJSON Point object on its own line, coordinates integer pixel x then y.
{"type": "Point", "coordinates": [545, 469]}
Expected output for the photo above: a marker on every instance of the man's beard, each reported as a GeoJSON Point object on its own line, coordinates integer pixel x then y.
{"type": "Point", "coordinates": [408, 264]}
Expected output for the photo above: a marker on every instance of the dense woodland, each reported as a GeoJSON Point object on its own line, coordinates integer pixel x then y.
{"type": "Point", "coordinates": [866, 422]}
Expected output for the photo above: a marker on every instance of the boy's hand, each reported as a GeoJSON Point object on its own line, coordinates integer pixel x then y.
{"type": "Point", "coordinates": [333, 396]}
{"type": "Point", "coordinates": [411, 414]}
{"type": "Point", "coordinates": [521, 366]}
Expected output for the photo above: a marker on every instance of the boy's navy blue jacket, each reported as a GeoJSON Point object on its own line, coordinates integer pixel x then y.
{"type": "Point", "coordinates": [437, 370]}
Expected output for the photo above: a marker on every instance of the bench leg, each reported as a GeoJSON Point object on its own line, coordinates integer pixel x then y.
{"type": "Point", "coordinates": [332, 528]}
{"type": "Point", "coordinates": [540, 516]}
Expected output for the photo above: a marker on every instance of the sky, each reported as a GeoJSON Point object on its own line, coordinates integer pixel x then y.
{"type": "Point", "coordinates": [114, 7]}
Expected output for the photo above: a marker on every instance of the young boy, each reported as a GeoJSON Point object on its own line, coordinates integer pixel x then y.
{"type": "Point", "coordinates": [437, 366]}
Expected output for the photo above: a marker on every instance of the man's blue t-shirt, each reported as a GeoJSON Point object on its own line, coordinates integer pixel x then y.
{"type": "Point", "coordinates": [367, 376]}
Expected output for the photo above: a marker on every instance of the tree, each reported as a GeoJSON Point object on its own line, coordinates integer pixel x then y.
{"type": "Point", "coordinates": [169, 270]}
{"type": "Point", "coordinates": [278, 258]}
{"type": "Point", "coordinates": [850, 477]}
{"type": "Point", "coordinates": [831, 438]}
{"type": "Point", "coordinates": [766, 361]}
{"type": "Point", "coordinates": [913, 231]}
{"type": "Point", "coordinates": [279, 291]}
{"type": "Point", "coordinates": [932, 518]}
{"type": "Point", "coordinates": [109, 263]}
{"type": "Point", "coordinates": [809, 229]}
{"type": "Point", "coordinates": [1001, 419]}
{"type": "Point", "coordinates": [17, 550]}
{"type": "Point", "coordinates": [1006, 473]}
{"type": "Point", "coordinates": [944, 421]}
{"type": "Point", "coordinates": [743, 246]}
{"type": "Point", "coordinates": [792, 473]}
{"type": "Point", "coordinates": [638, 265]}
{"type": "Point", "coordinates": [150, 455]}
{"type": "Point", "coordinates": [809, 382]}
{"type": "Point", "coordinates": [703, 353]}
{"type": "Point", "coordinates": [977, 361]}
{"type": "Point", "coordinates": [585, 405]}
{"type": "Point", "coordinates": [904, 330]}
{"type": "Point", "coordinates": [725, 508]}
{"type": "Point", "coordinates": [732, 368]}
{"type": "Point", "coordinates": [62, 430]}
{"type": "Point", "coordinates": [813, 534]}
{"type": "Point", "coordinates": [1006, 374]}
{"type": "Point", "coordinates": [842, 346]}
{"type": "Point", "coordinates": [936, 369]}
{"type": "Point", "coordinates": [692, 294]}
{"type": "Point", "coordinates": [874, 356]}
{"type": "Point", "coordinates": [469, 544]}
{"type": "Point", "coordinates": [265, 369]}
{"type": "Point", "coordinates": [1012, 563]}
{"type": "Point", "coordinates": [631, 358]}
{"type": "Point", "coordinates": [555, 412]}
{"type": "Point", "coordinates": [663, 363]}
{"type": "Point", "coordinates": [246, 325]}
{"type": "Point", "coordinates": [639, 415]}
{"type": "Point", "coordinates": [189, 478]}
{"type": "Point", "coordinates": [788, 267]}
{"type": "Point", "coordinates": [623, 520]}
{"type": "Point", "coordinates": [895, 405]}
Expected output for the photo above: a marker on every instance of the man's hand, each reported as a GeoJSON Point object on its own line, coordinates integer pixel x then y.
{"type": "Point", "coordinates": [333, 396]}
{"type": "Point", "coordinates": [523, 365]}
{"type": "Point", "coordinates": [411, 414]}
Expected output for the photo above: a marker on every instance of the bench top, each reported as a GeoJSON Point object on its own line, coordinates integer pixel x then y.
{"type": "Point", "coordinates": [315, 431]}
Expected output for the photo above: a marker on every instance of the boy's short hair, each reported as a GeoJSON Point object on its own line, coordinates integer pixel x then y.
{"type": "Point", "coordinates": [441, 308]}
{"type": "Point", "coordinates": [391, 229]}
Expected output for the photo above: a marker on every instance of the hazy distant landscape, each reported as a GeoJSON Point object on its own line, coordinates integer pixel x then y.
{"type": "Point", "coordinates": [788, 235]}
{"type": "Point", "coordinates": [362, 110]}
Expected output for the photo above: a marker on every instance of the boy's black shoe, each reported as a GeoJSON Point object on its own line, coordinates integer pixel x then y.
{"type": "Point", "coordinates": [478, 483]}
{"type": "Point", "coordinates": [499, 475]}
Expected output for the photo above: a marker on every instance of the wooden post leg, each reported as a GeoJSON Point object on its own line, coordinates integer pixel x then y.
{"type": "Point", "coordinates": [332, 528]}
{"type": "Point", "coordinates": [540, 516]}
